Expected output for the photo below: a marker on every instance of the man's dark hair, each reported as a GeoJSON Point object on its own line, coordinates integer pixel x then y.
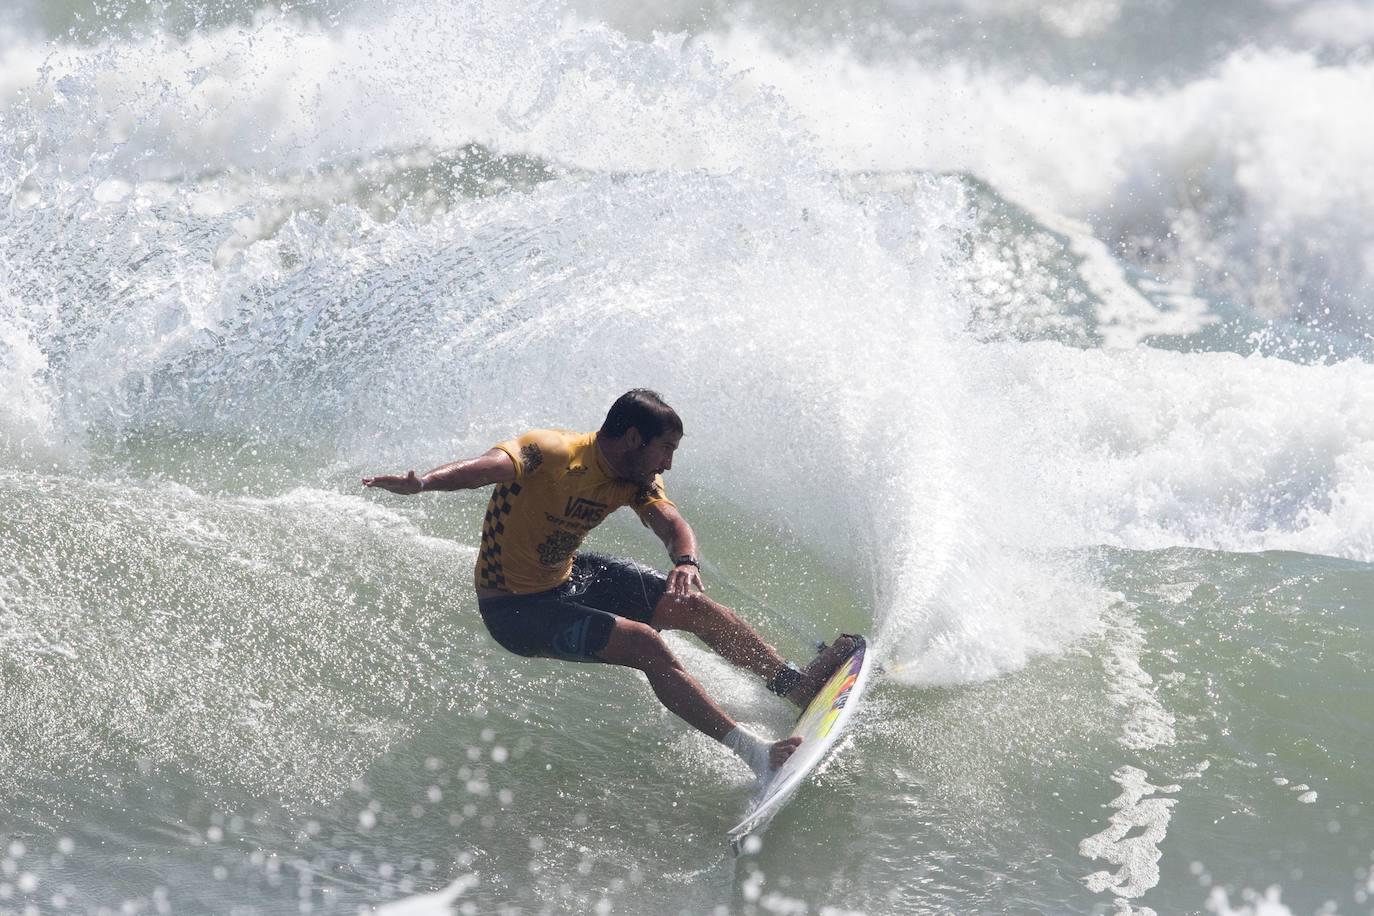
{"type": "Point", "coordinates": [643, 410]}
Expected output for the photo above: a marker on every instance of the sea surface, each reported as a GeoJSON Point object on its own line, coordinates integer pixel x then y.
{"type": "Point", "coordinates": [1033, 339]}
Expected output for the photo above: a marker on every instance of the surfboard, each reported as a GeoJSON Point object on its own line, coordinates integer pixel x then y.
{"type": "Point", "coordinates": [821, 724]}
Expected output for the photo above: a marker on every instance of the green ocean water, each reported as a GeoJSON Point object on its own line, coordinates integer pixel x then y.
{"type": "Point", "coordinates": [228, 702]}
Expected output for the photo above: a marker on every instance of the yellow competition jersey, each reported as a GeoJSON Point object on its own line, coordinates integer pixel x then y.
{"type": "Point", "coordinates": [562, 490]}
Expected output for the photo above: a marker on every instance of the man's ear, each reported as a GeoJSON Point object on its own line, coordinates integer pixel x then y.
{"type": "Point", "coordinates": [633, 437]}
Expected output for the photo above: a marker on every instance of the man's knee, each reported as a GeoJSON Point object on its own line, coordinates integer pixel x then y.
{"type": "Point", "coordinates": [637, 645]}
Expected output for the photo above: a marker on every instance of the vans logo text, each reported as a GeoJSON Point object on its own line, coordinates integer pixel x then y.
{"type": "Point", "coordinates": [585, 510]}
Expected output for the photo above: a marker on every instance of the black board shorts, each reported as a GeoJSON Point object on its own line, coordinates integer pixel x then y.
{"type": "Point", "coordinates": [574, 620]}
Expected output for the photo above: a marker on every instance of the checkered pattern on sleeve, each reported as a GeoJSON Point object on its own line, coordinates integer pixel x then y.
{"type": "Point", "coordinates": [489, 570]}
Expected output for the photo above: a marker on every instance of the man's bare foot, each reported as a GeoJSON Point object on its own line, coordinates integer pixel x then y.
{"type": "Point", "coordinates": [820, 669]}
{"type": "Point", "coordinates": [779, 751]}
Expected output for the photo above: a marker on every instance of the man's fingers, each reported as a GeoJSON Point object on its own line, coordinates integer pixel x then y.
{"type": "Point", "coordinates": [395, 483]}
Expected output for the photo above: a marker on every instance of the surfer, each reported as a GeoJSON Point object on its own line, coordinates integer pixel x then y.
{"type": "Point", "coordinates": [540, 596]}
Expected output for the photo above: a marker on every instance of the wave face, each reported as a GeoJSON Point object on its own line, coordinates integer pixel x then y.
{"type": "Point", "coordinates": [1032, 345]}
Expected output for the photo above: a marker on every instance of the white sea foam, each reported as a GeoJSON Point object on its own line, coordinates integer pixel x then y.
{"type": "Point", "coordinates": [1141, 808]}
{"type": "Point", "coordinates": [1131, 688]}
{"type": "Point", "coordinates": [1343, 23]}
{"type": "Point", "coordinates": [996, 608]}
{"type": "Point", "coordinates": [1147, 449]}
{"type": "Point", "coordinates": [290, 95]}
{"type": "Point", "coordinates": [27, 409]}
{"type": "Point", "coordinates": [330, 509]}
{"type": "Point", "coordinates": [1252, 178]}
{"type": "Point", "coordinates": [1249, 206]}
{"type": "Point", "coordinates": [1251, 903]}
{"type": "Point", "coordinates": [1062, 448]}
{"type": "Point", "coordinates": [439, 903]}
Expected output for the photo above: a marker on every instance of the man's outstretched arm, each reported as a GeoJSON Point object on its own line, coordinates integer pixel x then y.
{"type": "Point", "coordinates": [672, 529]}
{"type": "Point", "coordinates": [494, 466]}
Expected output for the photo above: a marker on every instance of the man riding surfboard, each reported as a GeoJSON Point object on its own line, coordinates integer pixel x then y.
{"type": "Point", "coordinates": [540, 596]}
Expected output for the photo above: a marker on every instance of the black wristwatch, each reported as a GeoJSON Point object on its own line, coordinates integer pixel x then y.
{"type": "Point", "coordinates": [686, 560]}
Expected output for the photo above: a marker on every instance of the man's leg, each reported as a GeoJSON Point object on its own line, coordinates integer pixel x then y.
{"type": "Point", "coordinates": [631, 590]}
{"type": "Point", "coordinates": [720, 628]}
{"type": "Point", "coordinates": [638, 645]}
{"type": "Point", "coordinates": [730, 637]}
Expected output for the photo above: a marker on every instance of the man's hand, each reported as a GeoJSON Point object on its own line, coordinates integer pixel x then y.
{"type": "Point", "coordinates": [396, 483]}
{"type": "Point", "coordinates": [684, 580]}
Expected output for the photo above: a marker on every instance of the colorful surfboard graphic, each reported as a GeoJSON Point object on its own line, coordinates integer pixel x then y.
{"type": "Point", "coordinates": [819, 727]}
{"type": "Point", "coordinates": [820, 716]}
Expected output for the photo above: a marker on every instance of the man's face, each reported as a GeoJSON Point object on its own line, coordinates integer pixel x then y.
{"type": "Point", "coordinates": [654, 457]}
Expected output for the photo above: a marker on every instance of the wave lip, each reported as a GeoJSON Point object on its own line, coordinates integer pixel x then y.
{"type": "Point", "coordinates": [1234, 181]}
